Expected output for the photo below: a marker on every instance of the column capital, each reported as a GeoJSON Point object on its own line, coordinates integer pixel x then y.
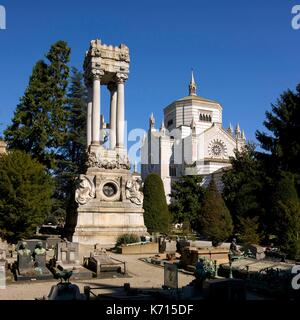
{"type": "Point", "coordinates": [121, 77]}
{"type": "Point", "coordinates": [97, 74]}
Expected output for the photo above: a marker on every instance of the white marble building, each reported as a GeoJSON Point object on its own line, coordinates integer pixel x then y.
{"type": "Point", "coordinates": [191, 140]}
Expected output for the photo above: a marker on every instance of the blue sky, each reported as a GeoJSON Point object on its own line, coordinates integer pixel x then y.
{"type": "Point", "coordinates": [244, 53]}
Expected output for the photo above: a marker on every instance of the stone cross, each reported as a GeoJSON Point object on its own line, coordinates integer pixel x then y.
{"type": "Point", "coordinates": [67, 253]}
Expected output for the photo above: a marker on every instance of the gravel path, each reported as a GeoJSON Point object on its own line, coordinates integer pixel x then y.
{"type": "Point", "coordinates": [141, 275]}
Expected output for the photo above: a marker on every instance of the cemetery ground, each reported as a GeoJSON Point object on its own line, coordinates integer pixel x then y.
{"type": "Point", "coordinates": [140, 275]}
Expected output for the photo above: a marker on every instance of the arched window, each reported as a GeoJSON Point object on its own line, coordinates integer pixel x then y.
{"type": "Point", "coordinates": [209, 118]}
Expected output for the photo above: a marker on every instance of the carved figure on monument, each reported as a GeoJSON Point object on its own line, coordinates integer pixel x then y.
{"type": "Point", "coordinates": [23, 249]}
{"type": "Point", "coordinates": [133, 192]}
{"type": "Point", "coordinates": [85, 190]}
{"type": "Point", "coordinates": [39, 250]}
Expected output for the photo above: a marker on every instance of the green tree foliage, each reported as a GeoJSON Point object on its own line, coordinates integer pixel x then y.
{"type": "Point", "coordinates": [215, 218]}
{"type": "Point", "coordinates": [25, 195]}
{"type": "Point", "coordinates": [39, 123]}
{"type": "Point", "coordinates": [248, 230]}
{"type": "Point", "coordinates": [283, 144]}
{"type": "Point", "coordinates": [157, 216]}
{"type": "Point", "coordinates": [286, 214]}
{"type": "Point", "coordinates": [244, 187]}
{"type": "Point", "coordinates": [73, 151]}
{"type": "Point", "coordinates": [186, 199]}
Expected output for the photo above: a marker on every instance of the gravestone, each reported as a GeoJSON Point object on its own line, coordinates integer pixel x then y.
{"type": "Point", "coordinates": [40, 264]}
{"type": "Point", "coordinates": [257, 251]}
{"type": "Point", "coordinates": [30, 266]}
{"type": "Point", "coordinates": [167, 245]}
{"type": "Point", "coordinates": [171, 276]}
{"type": "Point", "coordinates": [67, 257]}
{"type": "Point", "coordinates": [99, 262]}
{"type": "Point", "coordinates": [25, 263]}
{"type": "Point", "coordinates": [3, 250]}
{"type": "Point", "coordinates": [67, 253]}
{"type": "Point", "coordinates": [52, 242]}
{"type": "Point", "coordinates": [2, 275]}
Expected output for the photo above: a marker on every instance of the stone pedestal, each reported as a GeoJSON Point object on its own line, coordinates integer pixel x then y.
{"type": "Point", "coordinates": [109, 200]}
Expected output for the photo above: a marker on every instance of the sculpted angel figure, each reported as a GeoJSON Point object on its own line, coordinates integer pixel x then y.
{"type": "Point", "coordinates": [133, 192]}
{"type": "Point", "coordinates": [85, 189]}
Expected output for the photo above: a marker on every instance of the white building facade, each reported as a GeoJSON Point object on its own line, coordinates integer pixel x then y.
{"type": "Point", "coordinates": [190, 141]}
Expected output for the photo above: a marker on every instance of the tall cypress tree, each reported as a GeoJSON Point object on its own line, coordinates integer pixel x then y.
{"type": "Point", "coordinates": [157, 216]}
{"type": "Point", "coordinates": [215, 218]}
{"type": "Point", "coordinates": [39, 123]}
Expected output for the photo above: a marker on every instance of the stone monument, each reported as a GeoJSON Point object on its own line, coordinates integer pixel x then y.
{"type": "Point", "coordinates": [108, 195]}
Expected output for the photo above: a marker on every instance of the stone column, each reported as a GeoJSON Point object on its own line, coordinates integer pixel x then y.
{"type": "Point", "coordinates": [96, 108]}
{"type": "Point", "coordinates": [89, 115]}
{"type": "Point", "coordinates": [112, 87]}
{"type": "Point", "coordinates": [120, 109]}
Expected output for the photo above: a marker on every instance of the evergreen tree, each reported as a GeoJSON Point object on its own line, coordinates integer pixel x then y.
{"type": "Point", "coordinates": [283, 122]}
{"type": "Point", "coordinates": [25, 195]}
{"type": "Point", "coordinates": [244, 187]}
{"type": "Point", "coordinates": [39, 123]}
{"type": "Point", "coordinates": [248, 230]}
{"type": "Point", "coordinates": [157, 216]}
{"type": "Point", "coordinates": [186, 199]}
{"type": "Point", "coordinates": [215, 218]}
{"type": "Point", "coordinates": [286, 214]}
{"type": "Point", "coordinates": [74, 150]}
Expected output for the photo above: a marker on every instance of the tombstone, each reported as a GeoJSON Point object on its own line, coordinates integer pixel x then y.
{"type": "Point", "coordinates": [257, 251]}
{"type": "Point", "coordinates": [99, 262]}
{"type": "Point", "coordinates": [40, 262]}
{"type": "Point", "coordinates": [170, 276]}
{"type": "Point", "coordinates": [3, 250]}
{"type": "Point", "coordinates": [67, 253]}
{"type": "Point", "coordinates": [67, 257]}
{"type": "Point", "coordinates": [52, 242]}
{"type": "Point", "coordinates": [2, 275]}
{"type": "Point", "coordinates": [28, 267]}
{"type": "Point", "coordinates": [167, 245]}
{"type": "Point", "coordinates": [25, 263]}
